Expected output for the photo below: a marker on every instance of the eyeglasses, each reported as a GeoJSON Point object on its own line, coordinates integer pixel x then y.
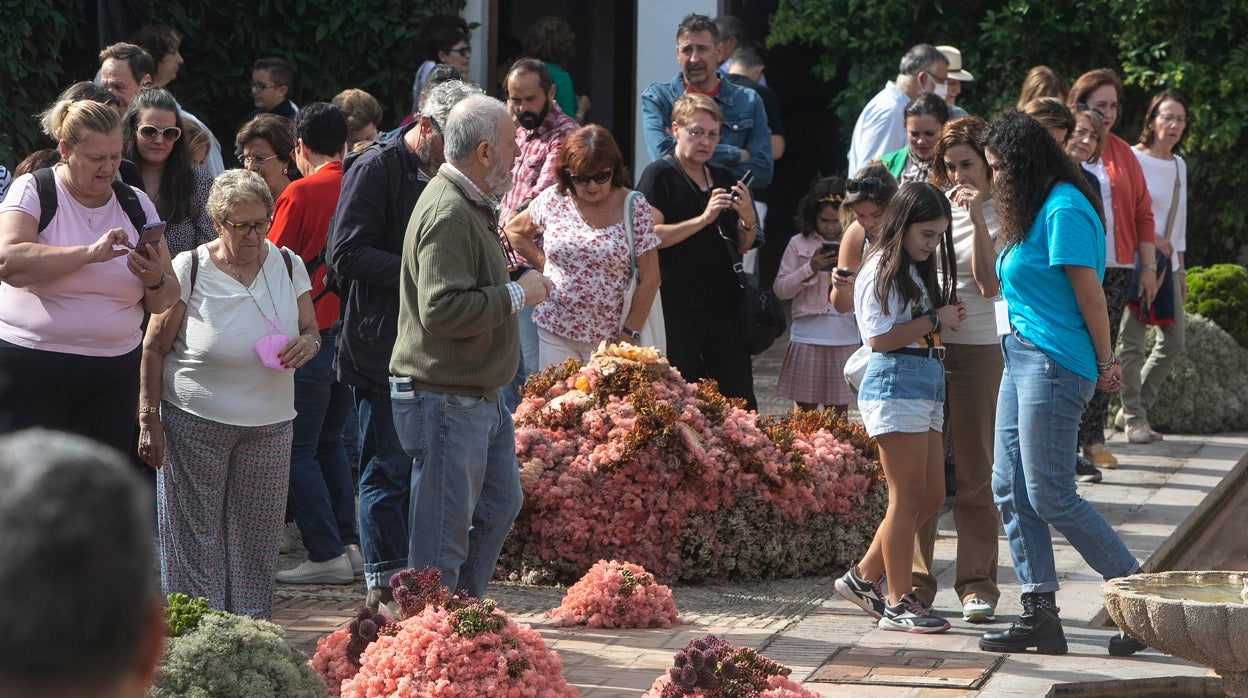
{"type": "Point", "coordinates": [698, 134]}
{"type": "Point", "coordinates": [257, 160]}
{"type": "Point", "coordinates": [600, 178]}
{"type": "Point", "coordinates": [1172, 118]}
{"type": "Point", "coordinates": [866, 185]}
{"type": "Point", "coordinates": [262, 86]}
{"type": "Point", "coordinates": [259, 228]}
{"type": "Point", "coordinates": [509, 252]}
{"type": "Point", "coordinates": [169, 133]}
{"type": "Point", "coordinates": [463, 51]}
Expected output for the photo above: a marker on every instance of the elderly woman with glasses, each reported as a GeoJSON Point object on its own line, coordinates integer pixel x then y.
{"type": "Point", "coordinates": [267, 144]}
{"type": "Point", "coordinates": [702, 214]}
{"type": "Point", "coordinates": [584, 221]}
{"type": "Point", "coordinates": [152, 139]}
{"type": "Point", "coordinates": [217, 398]}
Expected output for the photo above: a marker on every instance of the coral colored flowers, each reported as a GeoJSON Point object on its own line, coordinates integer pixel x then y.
{"type": "Point", "coordinates": [617, 595]}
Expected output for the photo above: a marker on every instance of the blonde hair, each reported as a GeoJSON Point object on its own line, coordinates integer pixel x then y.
{"type": "Point", "coordinates": [196, 140]}
{"type": "Point", "coordinates": [234, 188]}
{"type": "Point", "coordinates": [360, 108]}
{"type": "Point", "coordinates": [71, 121]}
{"type": "Point", "coordinates": [690, 103]}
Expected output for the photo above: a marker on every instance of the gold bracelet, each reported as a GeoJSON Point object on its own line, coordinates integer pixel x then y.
{"type": "Point", "coordinates": [148, 409]}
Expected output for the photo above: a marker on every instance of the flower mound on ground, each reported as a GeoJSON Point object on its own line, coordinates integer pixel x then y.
{"type": "Point", "coordinates": [229, 655]}
{"type": "Point", "coordinates": [713, 668]}
{"type": "Point", "coordinates": [622, 459]}
{"type": "Point", "coordinates": [454, 646]}
{"type": "Point", "coordinates": [617, 595]}
{"type": "Point", "coordinates": [337, 655]}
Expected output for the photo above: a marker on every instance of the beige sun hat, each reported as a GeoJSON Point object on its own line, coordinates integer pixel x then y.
{"type": "Point", "coordinates": [955, 64]}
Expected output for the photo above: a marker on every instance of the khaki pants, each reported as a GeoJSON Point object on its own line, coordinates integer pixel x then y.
{"type": "Point", "coordinates": [972, 377]}
{"type": "Point", "coordinates": [1142, 375]}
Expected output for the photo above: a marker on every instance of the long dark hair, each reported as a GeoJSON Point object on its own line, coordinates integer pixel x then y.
{"type": "Point", "coordinates": [177, 179]}
{"type": "Point", "coordinates": [915, 202]}
{"type": "Point", "coordinates": [1029, 163]}
{"type": "Point", "coordinates": [829, 191]}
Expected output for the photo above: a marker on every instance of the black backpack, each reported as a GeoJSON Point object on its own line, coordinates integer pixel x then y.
{"type": "Point", "coordinates": [45, 184]}
{"type": "Point", "coordinates": [389, 151]}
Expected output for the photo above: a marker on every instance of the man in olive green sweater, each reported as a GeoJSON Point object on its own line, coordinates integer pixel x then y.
{"type": "Point", "coordinates": [458, 344]}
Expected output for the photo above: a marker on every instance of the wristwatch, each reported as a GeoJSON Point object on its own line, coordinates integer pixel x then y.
{"type": "Point", "coordinates": [631, 333]}
{"type": "Point", "coordinates": [1150, 267]}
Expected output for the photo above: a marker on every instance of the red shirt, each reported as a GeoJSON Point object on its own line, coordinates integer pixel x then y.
{"type": "Point", "coordinates": [300, 222]}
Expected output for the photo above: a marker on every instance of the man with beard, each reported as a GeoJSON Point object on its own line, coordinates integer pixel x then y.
{"type": "Point", "coordinates": [745, 140]}
{"type": "Point", "coordinates": [458, 344]}
{"type": "Point", "coordinates": [541, 129]}
{"type": "Point", "coordinates": [379, 191]}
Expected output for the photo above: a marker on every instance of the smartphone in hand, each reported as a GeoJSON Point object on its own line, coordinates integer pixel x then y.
{"type": "Point", "coordinates": [151, 234]}
{"type": "Point", "coordinates": [829, 248]}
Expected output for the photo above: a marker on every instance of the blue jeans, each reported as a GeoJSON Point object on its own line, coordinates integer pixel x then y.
{"type": "Point", "coordinates": [1033, 475]}
{"type": "Point", "coordinates": [530, 348]}
{"type": "Point", "coordinates": [385, 478]}
{"type": "Point", "coordinates": [465, 484]}
{"type": "Point", "coordinates": [322, 490]}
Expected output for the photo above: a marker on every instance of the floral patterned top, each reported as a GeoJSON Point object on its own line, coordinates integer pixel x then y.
{"type": "Point", "coordinates": [588, 267]}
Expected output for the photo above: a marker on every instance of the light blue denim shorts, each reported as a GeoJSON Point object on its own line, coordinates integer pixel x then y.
{"type": "Point", "coordinates": [902, 393]}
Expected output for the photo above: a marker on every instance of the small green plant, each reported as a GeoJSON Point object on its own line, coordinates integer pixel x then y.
{"type": "Point", "coordinates": [182, 614]}
{"type": "Point", "coordinates": [1220, 293]}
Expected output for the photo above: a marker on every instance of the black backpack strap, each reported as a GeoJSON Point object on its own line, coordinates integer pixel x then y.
{"type": "Point", "coordinates": [194, 271]}
{"type": "Point", "coordinates": [45, 184]}
{"type": "Point", "coordinates": [130, 204]}
{"type": "Point", "coordinates": [290, 266]}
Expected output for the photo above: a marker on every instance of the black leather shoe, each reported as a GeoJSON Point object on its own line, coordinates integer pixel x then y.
{"type": "Point", "coordinates": [1123, 645]}
{"type": "Point", "coordinates": [1038, 626]}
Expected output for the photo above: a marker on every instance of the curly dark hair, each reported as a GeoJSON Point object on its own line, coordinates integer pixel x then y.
{"type": "Point", "coordinates": [915, 202]}
{"type": "Point", "coordinates": [1029, 163]}
{"type": "Point", "coordinates": [177, 176]}
{"type": "Point", "coordinates": [829, 191]}
{"type": "Point", "coordinates": [551, 40]}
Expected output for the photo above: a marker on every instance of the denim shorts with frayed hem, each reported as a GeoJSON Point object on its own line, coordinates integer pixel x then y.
{"type": "Point", "coordinates": [902, 393]}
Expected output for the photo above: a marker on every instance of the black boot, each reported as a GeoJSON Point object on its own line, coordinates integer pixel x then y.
{"type": "Point", "coordinates": [1037, 627]}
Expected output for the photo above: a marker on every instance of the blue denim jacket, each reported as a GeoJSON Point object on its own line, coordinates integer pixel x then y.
{"type": "Point", "coordinates": [744, 127]}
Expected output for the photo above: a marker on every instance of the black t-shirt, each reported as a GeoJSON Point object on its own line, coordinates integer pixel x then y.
{"type": "Point", "coordinates": [697, 271]}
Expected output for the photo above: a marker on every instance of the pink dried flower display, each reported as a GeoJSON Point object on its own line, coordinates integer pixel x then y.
{"type": "Point", "coordinates": [617, 595]}
{"type": "Point", "coordinates": [622, 459]}
{"type": "Point", "coordinates": [711, 667]}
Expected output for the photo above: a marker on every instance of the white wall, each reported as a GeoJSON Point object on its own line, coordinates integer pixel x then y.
{"type": "Point", "coordinates": [479, 11]}
{"type": "Point", "coordinates": [656, 53]}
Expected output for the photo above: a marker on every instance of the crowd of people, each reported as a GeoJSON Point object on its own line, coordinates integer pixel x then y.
{"type": "Point", "coordinates": [348, 295]}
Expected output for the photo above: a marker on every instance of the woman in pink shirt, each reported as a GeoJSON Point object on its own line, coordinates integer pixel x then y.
{"type": "Point", "coordinates": [74, 293]}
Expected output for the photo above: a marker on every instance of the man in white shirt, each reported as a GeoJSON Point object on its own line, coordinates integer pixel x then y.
{"type": "Point", "coordinates": [881, 127]}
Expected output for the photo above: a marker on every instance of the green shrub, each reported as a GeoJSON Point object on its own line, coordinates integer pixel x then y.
{"type": "Point", "coordinates": [1207, 389]}
{"type": "Point", "coordinates": [1220, 293]}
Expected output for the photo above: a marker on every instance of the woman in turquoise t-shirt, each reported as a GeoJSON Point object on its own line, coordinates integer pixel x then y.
{"type": "Point", "coordinates": [1057, 353]}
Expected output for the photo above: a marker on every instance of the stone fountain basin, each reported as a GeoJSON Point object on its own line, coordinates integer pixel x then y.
{"type": "Point", "coordinates": [1197, 616]}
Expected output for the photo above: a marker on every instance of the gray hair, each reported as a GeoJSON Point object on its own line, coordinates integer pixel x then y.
{"type": "Point", "coordinates": [921, 57]}
{"type": "Point", "coordinates": [234, 188]}
{"type": "Point", "coordinates": [77, 577]}
{"type": "Point", "coordinates": [442, 97]}
{"type": "Point", "coordinates": [475, 121]}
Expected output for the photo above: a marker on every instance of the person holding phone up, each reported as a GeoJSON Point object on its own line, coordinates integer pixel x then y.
{"type": "Point", "coordinates": [74, 293]}
{"type": "Point", "coordinates": [821, 338]}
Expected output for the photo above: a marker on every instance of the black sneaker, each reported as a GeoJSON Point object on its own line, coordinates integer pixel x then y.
{"type": "Point", "coordinates": [866, 595]}
{"type": "Point", "coordinates": [1085, 471]}
{"type": "Point", "coordinates": [911, 616]}
{"type": "Point", "coordinates": [1123, 645]}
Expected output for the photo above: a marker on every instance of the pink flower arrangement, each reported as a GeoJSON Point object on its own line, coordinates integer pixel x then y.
{"type": "Point", "coordinates": [337, 655]}
{"type": "Point", "coordinates": [712, 668]}
{"type": "Point", "coordinates": [617, 595]}
{"type": "Point", "coordinates": [622, 459]}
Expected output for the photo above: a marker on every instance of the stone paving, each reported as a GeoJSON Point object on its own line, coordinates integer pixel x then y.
{"type": "Point", "coordinates": [830, 645]}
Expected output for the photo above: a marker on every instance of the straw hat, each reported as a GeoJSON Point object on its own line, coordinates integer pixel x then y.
{"type": "Point", "coordinates": [955, 64]}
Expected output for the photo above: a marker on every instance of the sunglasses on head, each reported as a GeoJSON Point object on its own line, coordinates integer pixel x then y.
{"type": "Point", "coordinates": [601, 178]}
{"type": "Point", "coordinates": [1084, 107]}
{"type": "Point", "coordinates": [866, 185]}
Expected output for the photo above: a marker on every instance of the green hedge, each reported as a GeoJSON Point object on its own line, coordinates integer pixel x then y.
{"type": "Point", "coordinates": [1195, 47]}
{"type": "Point", "coordinates": [1220, 293]}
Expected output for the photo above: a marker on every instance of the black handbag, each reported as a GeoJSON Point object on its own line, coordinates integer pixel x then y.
{"type": "Point", "coordinates": [762, 316]}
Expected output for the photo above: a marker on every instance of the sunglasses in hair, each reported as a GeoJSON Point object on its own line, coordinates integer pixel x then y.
{"type": "Point", "coordinates": [581, 180]}
{"type": "Point", "coordinates": [169, 133]}
{"type": "Point", "coordinates": [1081, 106]}
{"type": "Point", "coordinates": [866, 185]}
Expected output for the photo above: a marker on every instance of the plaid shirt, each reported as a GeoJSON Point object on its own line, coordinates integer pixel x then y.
{"type": "Point", "coordinates": [535, 168]}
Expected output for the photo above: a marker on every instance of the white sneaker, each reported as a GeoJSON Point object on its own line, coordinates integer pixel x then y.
{"type": "Point", "coordinates": [356, 556]}
{"type": "Point", "coordinates": [1142, 434]}
{"type": "Point", "coordinates": [976, 610]}
{"type": "Point", "coordinates": [334, 571]}
{"type": "Point", "coordinates": [910, 616]}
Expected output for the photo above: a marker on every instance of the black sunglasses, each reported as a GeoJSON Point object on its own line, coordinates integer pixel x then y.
{"type": "Point", "coordinates": [866, 185]}
{"type": "Point", "coordinates": [600, 178]}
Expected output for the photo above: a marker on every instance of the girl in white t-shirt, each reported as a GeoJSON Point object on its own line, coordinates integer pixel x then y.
{"type": "Point", "coordinates": [821, 339]}
{"type": "Point", "coordinates": [901, 309]}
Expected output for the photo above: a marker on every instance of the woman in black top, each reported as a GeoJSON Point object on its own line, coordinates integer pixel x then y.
{"type": "Point", "coordinates": [699, 212]}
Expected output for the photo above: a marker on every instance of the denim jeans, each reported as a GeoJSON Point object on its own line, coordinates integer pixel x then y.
{"type": "Point", "coordinates": [385, 479]}
{"type": "Point", "coordinates": [322, 490]}
{"type": "Point", "coordinates": [465, 484]}
{"type": "Point", "coordinates": [529, 355]}
{"type": "Point", "coordinates": [1033, 474]}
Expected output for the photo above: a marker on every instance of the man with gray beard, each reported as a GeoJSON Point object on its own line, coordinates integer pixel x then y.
{"type": "Point", "coordinates": [458, 344]}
